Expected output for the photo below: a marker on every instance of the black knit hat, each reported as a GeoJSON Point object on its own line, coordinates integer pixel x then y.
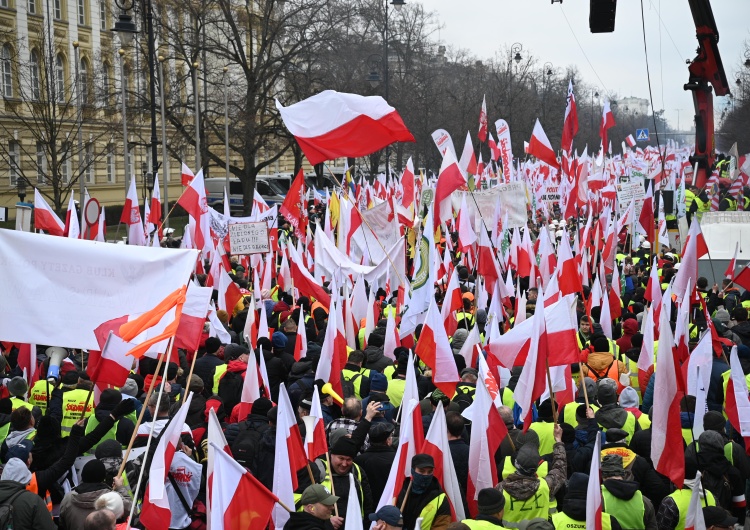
{"type": "Point", "coordinates": [490, 501]}
{"type": "Point", "coordinates": [344, 447]}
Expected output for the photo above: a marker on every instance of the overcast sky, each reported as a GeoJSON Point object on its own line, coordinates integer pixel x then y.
{"type": "Point", "coordinates": [616, 61]}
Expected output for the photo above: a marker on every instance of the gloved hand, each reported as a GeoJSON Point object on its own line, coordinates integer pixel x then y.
{"type": "Point", "coordinates": [123, 408]}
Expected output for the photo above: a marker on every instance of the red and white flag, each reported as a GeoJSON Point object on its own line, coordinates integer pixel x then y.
{"type": "Point", "coordinates": [540, 147]}
{"type": "Point", "coordinates": [156, 513]}
{"type": "Point", "coordinates": [45, 217]}
{"type": "Point", "coordinates": [315, 429]}
{"type": "Point", "coordinates": [229, 292]}
{"type": "Point", "coordinates": [449, 180]}
{"type": "Point", "coordinates": [155, 211]}
{"type": "Point", "coordinates": [608, 121]}
{"type": "Point", "coordinates": [193, 200]}
{"type": "Point", "coordinates": [239, 500]}
{"type": "Point", "coordinates": [290, 457]}
{"type": "Point", "coordinates": [406, 209]}
{"type": "Point", "coordinates": [729, 273]}
{"type": "Point", "coordinates": [333, 353]}
{"type": "Point", "coordinates": [250, 389]}
{"type": "Point", "coordinates": [131, 216]}
{"type": "Point", "coordinates": [594, 490]}
{"type": "Point", "coordinates": [332, 125]}
{"type": "Point", "coordinates": [187, 175]}
{"type": "Point", "coordinates": [569, 279]}
{"type": "Point", "coordinates": [72, 224]}
{"type": "Point", "coordinates": [630, 140]}
{"type": "Point", "coordinates": [193, 317]}
{"type": "Point", "coordinates": [27, 362]}
{"type": "Point", "coordinates": [435, 351]}
{"type": "Point", "coordinates": [112, 365]}
{"type": "Point", "coordinates": [737, 404]}
{"type": "Point", "coordinates": [695, 248]}
{"type": "Point", "coordinates": [468, 160]}
{"type": "Point", "coordinates": [300, 342]}
{"type": "Point", "coordinates": [667, 451]}
{"type": "Point", "coordinates": [482, 134]}
{"type": "Point", "coordinates": [570, 125]}
{"type": "Point", "coordinates": [694, 519]}
{"type": "Point", "coordinates": [436, 445]}
{"type": "Point", "coordinates": [646, 219]}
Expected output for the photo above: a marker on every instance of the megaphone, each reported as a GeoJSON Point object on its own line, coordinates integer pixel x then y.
{"type": "Point", "coordinates": [328, 389]}
{"type": "Point", "coordinates": [56, 356]}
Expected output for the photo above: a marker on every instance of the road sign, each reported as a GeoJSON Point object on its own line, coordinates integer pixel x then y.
{"type": "Point", "coordinates": [641, 135]}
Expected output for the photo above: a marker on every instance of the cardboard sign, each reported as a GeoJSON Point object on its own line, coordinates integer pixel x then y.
{"type": "Point", "coordinates": [249, 238]}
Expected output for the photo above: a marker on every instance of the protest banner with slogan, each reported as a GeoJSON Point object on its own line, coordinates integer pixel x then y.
{"type": "Point", "coordinates": [57, 290]}
{"type": "Point", "coordinates": [512, 197]}
{"type": "Point", "coordinates": [627, 190]}
{"type": "Point", "coordinates": [249, 238]}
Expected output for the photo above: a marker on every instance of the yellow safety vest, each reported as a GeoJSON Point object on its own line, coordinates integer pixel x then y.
{"type": "Point", "coordinates": [111, 434]}
{"type": "Point", "coordinates": [356, 379]}
{"type": "Point", "coordinates": [395, 391]}
{"type": "Point", "coordinates": [628, 426]}
{"type": "Point", "coordinates": [541, 472]}
{"type": "Point", "coordinates": [481, 525]}
{"type": "Point", "coordinates": [516, 510]}
{"type": "Point", "coordinates": [18, 403]}
{"type": "Point", "coordinates": [73, 402]}
{"type": "Point", "coordinates": [629, 513]}
{"type": "Point", "coordinates": [681, 499]}
{"type": "Point", "coordinates": [508, 398]}
{"type": "Point", "coordinates": [430, 510]}
{"type": "Point", "coordinates": [546, 432]}
{"type": "Point", "coordinates": [40, 392]}
{"type": "Point", "coordinates": [357, 475]}
{"type": "Point", "coordinates": [218, 374]}
{"type": "Point", "coordinates": [569, 413]}
{"type": "Point", "coordinates": [563, 522]}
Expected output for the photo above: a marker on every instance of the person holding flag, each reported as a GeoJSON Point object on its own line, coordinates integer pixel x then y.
{"type": "Point", "coordinates": [423, 497]}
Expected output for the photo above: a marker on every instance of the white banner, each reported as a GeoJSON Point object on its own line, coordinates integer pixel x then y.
{"type": "Point", "coordinates": [378, 233]}
{"type": "Point", "coordinates": [56, 290]}
{"type": "Point", "coordinates": [629, 190]}
{"type": "Point", "coordinates": [443, 141]}
{"type": "Point", "coordinates": [506, 151]}
{"type": "Point", "coordinates": [512, 197]}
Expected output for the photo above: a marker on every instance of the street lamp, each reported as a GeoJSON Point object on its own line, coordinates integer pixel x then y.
{"type": "Point", "coordinates": [165, 158]}
{"type": "Point", "coordinates": [79, 100]}
{"type": "Point", "coordinates": [373, 78]}
{"type": "Point", "coordinates": [226, 128]}
{"type": "Point", "coordinates": [123, 87]}
{"type": "Point", "coordinates": [546, 74]}
{"type": "Point", "coordinates": [126, 29]}
{"type": "Point", "coordinates": [21, 188]}
{"type": "Point", "coordinates": [198, 164]}
{"type": "Point", "coordinates": [515, 51]}
{"type": "Point", "coordinates": [398, 4]}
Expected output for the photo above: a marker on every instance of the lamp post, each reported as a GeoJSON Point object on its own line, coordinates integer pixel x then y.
{"type": "Point", "coordinates": [125, 149]}
{"type": "Point", "coordinates": [226, 127]}
{"type": "Point", "coordinates": [594, 94]}
{"type": "Point", "coordinates": [79, 101]}
{"type": "Point", "coordinates": [125, 27]}
{"type": "Point", "coordinates": [546, 74]}
{"type": "Point", "coordinates": [21, 188]}
{"type": "Point", "coordinates": [165, 158]}
{"type": "Point", "coordinates": [398, 4]}
{"type": "Point", "coordinates": [515, 56]}
{"type": "Point", "coordinates": [198, 165]}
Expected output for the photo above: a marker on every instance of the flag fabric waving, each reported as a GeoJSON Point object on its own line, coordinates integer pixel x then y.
{"type": "Point", "coordinates": [45, 217]}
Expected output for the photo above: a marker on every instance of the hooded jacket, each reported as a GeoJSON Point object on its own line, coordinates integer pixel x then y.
{"type": "Point", "coordinates": [79, 503]}
{"type": "Point", "coordinates": [306, 521]}
{"type": "Point", "coordinates": [522, 487]}
{"type": "Point", "coordinates": [29, 510]}
{"type": "Point", "coordinates": [629, 328]}
{"type": "Point", "coordinates": [375, 359]}
{"type": "Point", "coordinates": [625, 489]}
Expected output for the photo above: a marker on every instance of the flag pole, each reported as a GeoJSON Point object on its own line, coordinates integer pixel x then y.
{"type": "Point", "coordinates": [192, 367]}
{"type": "Point", "coordinates": [86, 403]}
{"type": "Point", "coordinates": [406, 496]}
{"type": "Point", "coordinates": [551, 392]}
{"type": "Point", "coordinates": [333, 489]}
{"type": "Point", "coordinates": [145, 406]}
{"type": "Point", "coordinates": [280, 503]}
{"type": "Point", "coordinates": [583, 384]}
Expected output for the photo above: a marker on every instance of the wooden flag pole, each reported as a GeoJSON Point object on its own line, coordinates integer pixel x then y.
{"type": "Point", "coordinates": [551, 392]}
{"type": "Point", "coordinates": [333, 488]}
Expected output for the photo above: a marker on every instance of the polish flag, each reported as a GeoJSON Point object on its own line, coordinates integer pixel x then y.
{"type": "Point", "coordinates": [332, 125]}
{"type": "Point", "coordinates": [193, 200]}
{"type": "Point", "coordinates": [216, 442]}
{"type": "Point", "coordinates": [303, 280]}
{"type": "Point", "coordinates": [540, 147]}
{"type": "Point", "coordinates": [695, 248]}
{"type": "Point", "coordinates": [112, 365]}
{"type": "Point", "coordinates": [645, 223]}
{"type": "Point", "coordinates": [451, 302]}
{"type": "Point", "coordinates": [436, 445]}
{"type": "Point", "coordinates": [187, 175]}
{"type": "Point", "coordinates": [238, 500]}
{"type": "Point", "coordinates": [155, 512]}
{"type": "Point", "coordinates": [490, 430]}
{"type": "Point", "coordinates": [229, 292]}
{"type": "Point", "coordinates": [630, 140]}
{"type": "Point", "coordinates": [594, 489]}
{"type": "Point", "coordinates": [300, 344]}
{"type": "Point", "coordinates": [250, 390]}
{"type": "Point", "coordinates": [193, 317]}
{"type": "Point", "coordinates": [45, 217]}
{"type": "Point", "coordinates": [435, 351]}
{"type": "Point", "coordinates": [467, 236]}
{"type": "Point", "coordinates": [131, 216]}
{"type": "Point", "coordinates": [729, 273]}
{"type": "Point", "coordinates": [486, 263]}
{"type": "Point", "coordinates": [737, 404]}
{"type": "Point", "coordinates": [449, 180]}
{"type": "Point", "coordinates": [627, 218]}
{"type": "Point", "coordinates": [290, 457]}
{"type": "Point", "coordinates": [533, 379]}
{"type": "Point", "coordinates": [743, 278]}
{"type": "Point", "coordinates": [333, 353]}
{"type": "Point", "coordinates": [155, 216]}
{"type": "Point", "coordinates": [72, 224]}
{"type": "Point", "coordinates": [407, 207]}
{"type": "Point", "coordinates": [569, 279]}
{"type": "Point", "coordinates": [263, 330]}
{"type": "Point", "coordinates": [667, 451]}
{"type": "Point", "coordinates": [482, 134]}
{"type": "Point", "coordinates": [494, 149]}
{"type": "Point", "coordinates": [608, 121]}
{"type": "Point", "coordinates": [468, 160]}
{"type": "Point", "coordinates": [315, 429]}
{"type": "Point", "coordinates": [570, 125]}
{"type": "Point", "coordinates": [694, 519]}
{"type": "Point", "coordinates": [27, 362]}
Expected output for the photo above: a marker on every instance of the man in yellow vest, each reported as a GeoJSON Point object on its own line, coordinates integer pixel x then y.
{"type": "Point", "coordinates": [573, 514]}
{"type": "Point", "coordinates": [673, 510]}
{"type": "Point", "coordinates": [425, 498]}
{"type": "Point", "coordinates": [622, 498]}
{"type": "Point", "coordinates": [17, 388]}
{"type": "Point", "coordinates": [491, 506]}
{"type": "Point", "coordinates": [75, 399]}
{"type": "Point", "coordinates": [41, 393]}
{"type": "Point", "coordinates": [123, 428]}
{"type": "Point", "coordinates": [528, 496]}
{"type": "Point", "coordinates": [610, 414]}
{"type": "Point", "coordinates": [341, 459]}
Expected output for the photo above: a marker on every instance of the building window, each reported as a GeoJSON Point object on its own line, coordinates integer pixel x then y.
{"type": "Point", "coordinates": [82, 12]}
{"type": "Point", "coordinates": [103, 15]}
{"type": "Point", "coordinates": [41, 163]}
{"type": "Point", "coordinates": [65, 154]}
{"type": "Point", "coordinates": [13, 157]}
{"type": "Point", "coordinates": [32, 7]}
{"type": "Point", "coordinates": [89, 163]}
{"type": "Point", "coordinates": [84, 82]}
{"type": "Point", "coordinates": [4, 3]}
{"type": "Point", "coordinates": [58, 10]}
{"type": "Point", "coordinates": [130, 166]}
{"type": "Point", "coordinates": [59, 79]}
{"type": "Point", "coordinates": [111, 163]}
{"type": "Point", "coordinates": [104, 95]}
{"type": "Point", "coordinates": [34, 75]}
{"type": "Point", "coordinates": [7, 67]}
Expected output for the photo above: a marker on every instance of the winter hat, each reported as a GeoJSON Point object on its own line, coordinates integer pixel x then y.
{"type": "Point", "coordinates": [223, 316]}
{"type": "Point", "coordinates": [612, 466]}
{"type": "Point", "coordinates": [233, 351]}
{"type": "Point", "coordinates": [378, 382]}
{"type": "Point", "coordinates": [196, 384]}
{"type": "Point", "coordinates": [577, 486]}
{"type": "Point", "coordinates": [16, 471]}
{"type": "Point", "coordinates": [629, 397]}
{"type": "Point", "coordinates": [21, 450]}
{"type": "Point", "coordinates": [278, 340]}
{"type": "Point", "coordinates": [261, 406]}
{"type": "Point", "coordinates": [93, 472]}
{"type": "Point", "coordinates": [490, 501]}
{"type": "Point", "coordinates": [108, 448]}
{"type": "Point", "coordinates": [743, 352]}
{"type": "Point", "coordinates": [212, 345]}
{"type": "Point", "coordinates": [17, 386]}
{"type": "Point", "coordinates": [615, 435]}
{"type": "Point", "coordinates": [109, 398]}
{"type": "Point", "coordinates": [344, 447]}
{"type": "Point", "coordinates": [722, 315]}
{"type": "Point", "coordinates": [607, 391]}
{"type": "Point", "coordinates": [527, 460]}
{"type": "Point", "coordinates": [130, 388]}
{"type": "Point", "coordinates": [380, 432]}
{"type": "Point", "coordinates": [111, 501]}
{"type": "Point", "coordinates": [591, 389]}
{"type": "Point", "coordinates": [714, 421]}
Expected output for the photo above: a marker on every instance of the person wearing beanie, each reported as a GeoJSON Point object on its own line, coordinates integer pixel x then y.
{"type": "Point", "coordinates": [673, 509]}
{"type": "Point", "coordinates": [568, 412]}
{"type": "Point", "coordinates": [601, 363]}
{"type": "Point", "coordinates": [735, 453]}
{"type": "Point", "coordinates": [130, 391]}
{"type": "Point", "coordinates": [80, 502]}
{"type": "Point", "coordinates": [17, 388]}
{"type": "Point", "coordinates": [244, 438]}
{"type": "Point", "coordinates": [397, 381]}
{"type": "Point", "coordinates": [111, 502]}
{"type": "Point", "coordinates": [355, 379]}
{"type": "Point", "coordinates": [544, 427]}
{"type": "Point", "coordinates": [375, 358]}
{"type": "Point", "coordinates": [610, 414]}
{"type": "Point", "coordinates": [580, 440]}
{"type": "Point", "coordinates": [490, 508]}
{"type": "Point", "coordinates": [630, 402]}
{"type": "Point", "coordinates": [377, 460]}
{"type": "Point", "coordinates": [229, 378]}
{"type": "Point", "coordinates": [123, 428]}
{"type": "Point", "coordinates": [422, 496]}
{"type": "Point", "coordinates": [29, 509]}
{"type": "Point", "coordinates": [528, 495]}
{"type": "Point", "coordinates": [573, 514]}
{"type": "Point", "coordinates": [341, 458]}
{"type": "Point", "coordinates": [623, 499]}
{"type": "Point", "coordinates": [205, 366]}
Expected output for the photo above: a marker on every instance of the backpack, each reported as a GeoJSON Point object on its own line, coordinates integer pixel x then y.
{"type": "Point", "coordinates": [230, 390]}
{"type": "Point", "coordinates": [6, 511]}
{"type": "Point", "coordinates": [731, 300]}
{"type": "Point", "coordinates": [347, 385]}
{"type": "Point", "coordinates": [246, 444]}
{"type": "Point", "coordinates": [718, 485]}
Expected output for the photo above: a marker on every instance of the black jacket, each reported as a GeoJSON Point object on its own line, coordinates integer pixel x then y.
{"type": "Point", "coordinates": [376, 463]}
{"type": "Point", "coordinates": [416, 503]}
{"type": "Point", "coordinates": [306, 521]}
{"type": "Point", "coordinates": [29, 510]}
{"type": "Point", "coordinates": [205, 367]}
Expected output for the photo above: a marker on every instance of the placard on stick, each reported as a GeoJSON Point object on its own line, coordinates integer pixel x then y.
{"type": "Point", "coordinates": [249, 238]}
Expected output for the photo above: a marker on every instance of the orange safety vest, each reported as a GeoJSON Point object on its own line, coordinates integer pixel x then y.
{"type": "Point", "coordinates": [613, 372]}
{"type": "Point", "coordinates": [315, 305]}
{"type": "Point", "coordinates": [33, 487]}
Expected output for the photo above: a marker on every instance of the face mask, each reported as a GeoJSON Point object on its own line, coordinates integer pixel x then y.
{"type": "Point", "coordinates": [420, 483]}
